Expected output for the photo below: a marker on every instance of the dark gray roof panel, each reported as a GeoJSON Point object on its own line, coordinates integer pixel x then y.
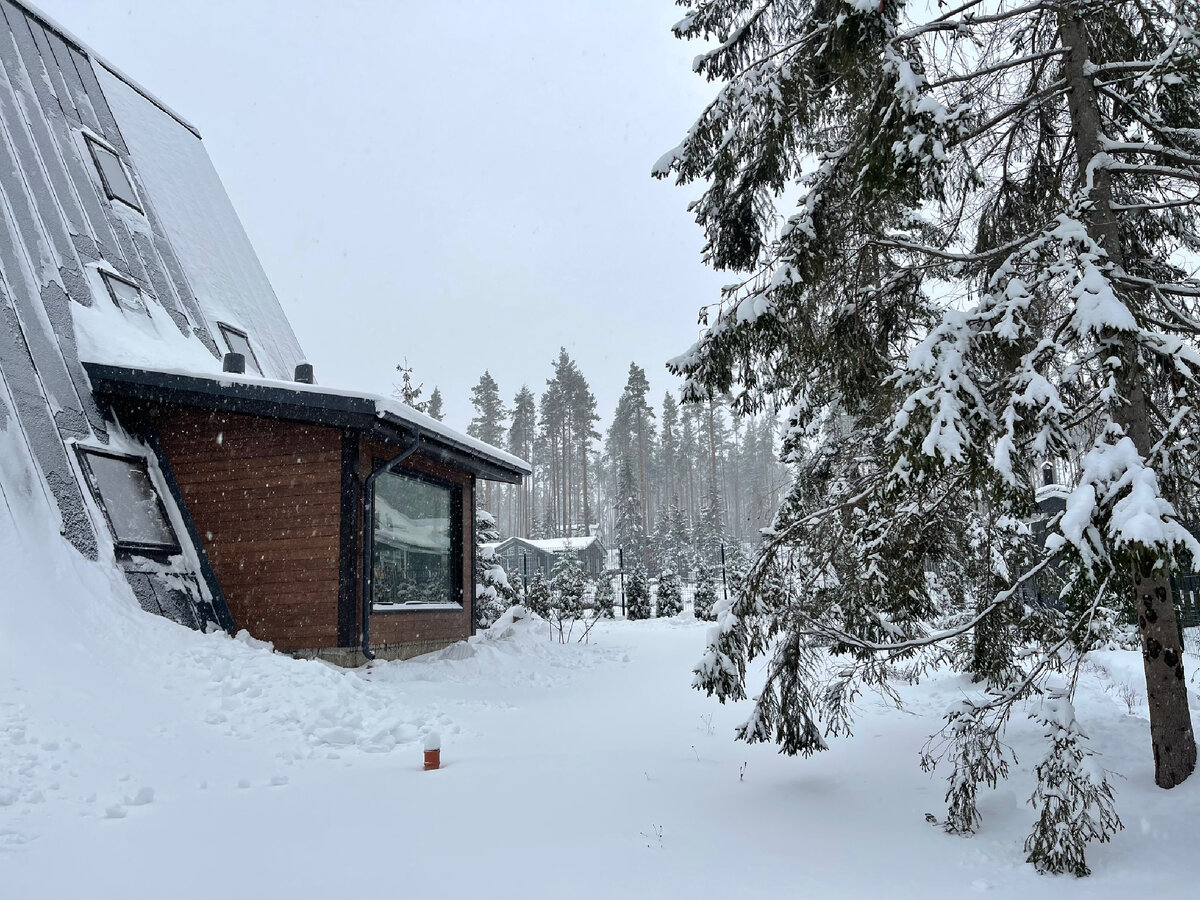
{"type": "Point", "coordinates": [71, 80]}
{"type": "Point", "coordinates": [95, 96]}
{"type": "Point", "coordinates": [41, 435]}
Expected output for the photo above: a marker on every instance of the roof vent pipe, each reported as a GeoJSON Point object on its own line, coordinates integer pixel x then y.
{"type": "Point", "coordinates": [304, 373]}
{"type": "Point", "coordinates": [234, 363]}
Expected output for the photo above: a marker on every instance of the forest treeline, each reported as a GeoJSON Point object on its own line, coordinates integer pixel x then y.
{"type": "Point", "coordinates": [668, 483]}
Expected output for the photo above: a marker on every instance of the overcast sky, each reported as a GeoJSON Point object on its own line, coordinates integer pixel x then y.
{"type": "Point", "coordinates": [464, 183]}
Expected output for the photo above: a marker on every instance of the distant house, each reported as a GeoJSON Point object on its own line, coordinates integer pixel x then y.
{"type": "Point", "coordinates": [149, 372]}
{"type": "Point", "coordinates": [524, 556]}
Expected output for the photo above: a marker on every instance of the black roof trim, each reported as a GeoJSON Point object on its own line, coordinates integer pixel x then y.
{"type": "Point", "coordinates": [288, 404]}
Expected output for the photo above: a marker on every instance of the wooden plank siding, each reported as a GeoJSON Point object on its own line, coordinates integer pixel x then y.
{"type": "Point", "coordinates": [266, 498]}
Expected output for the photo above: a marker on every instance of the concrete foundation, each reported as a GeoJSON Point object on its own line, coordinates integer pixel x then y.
{"type": "Point", "coordinates": [352, 657]}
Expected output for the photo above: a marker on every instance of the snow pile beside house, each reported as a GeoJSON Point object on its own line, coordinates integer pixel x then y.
{"type": "Point", "coordinates": [100, 702]}
{"type": "Point", "coordinates": [103, 706]}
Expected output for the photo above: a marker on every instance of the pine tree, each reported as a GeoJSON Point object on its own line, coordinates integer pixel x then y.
{"type": "Point", "coordinates": [631, 539]}
{"type": "Point", "coordinates": [488, 423]}
{"type": "Point", "coordinates": [669, 447]}
{"type": "Point", "coordinates": [631, 441]}
{"type": "Point", "coordinates": [983, 256]}
{"type": "Point", "coordinates": [710, 531]}
{"type": "Point", "coordinates": [567, 419]}
{"type": "Point", "coordinates": [521, 436]}
{"type": "Point", "coordinates": [670, 595]}
{"type": "Point", "coordinates": [689, 451]}
{"type": "Point", "coordinates": [637, 596]}
{"type": "Point", "coordinates": [433, 408]}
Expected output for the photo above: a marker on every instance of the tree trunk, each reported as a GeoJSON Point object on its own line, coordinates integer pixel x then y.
{"type": "Point", "coordinates": [735, 521]}
{"type": "Point", "coordinates": [1166, 690]}
{"type": "Point", "coordinates": [587, 506]}
{"type": "Point", "coordinates": [645, 513]}
{"type": "Point", "coordinates": [1171, 735]}
{"type": "Point", "coordinates": [712, 446]}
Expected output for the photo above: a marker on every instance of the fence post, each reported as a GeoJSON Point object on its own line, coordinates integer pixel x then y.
{"type": "Point", "coordinates": [724, 578]}
{"type": "Point", "coordinates": [621, 568]}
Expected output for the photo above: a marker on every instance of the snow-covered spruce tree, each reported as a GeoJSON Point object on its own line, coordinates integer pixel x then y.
{"type": "Point", "coordinates": [670, 595]}
{"type": "Point", "coordinates": [604, 597]}
{"type": "Point", "coordinates": [983, 259]}
{"type": "Point", "coordinates": [671, 542]}
{"type": "Point", "coordinates": [494, 592]}
{"type": "Point", "coordinates": [1064, 777]}
{"type": "Point", "coordinates": [433, 408]}
{"type": "Point", "coordinates": [567, 587]}
{"type": "Point", "coordinates": [537, 595]}
{"type": "Point", "coordinates": [705, 596]}
{"type": "Point", "coordinates": [637, 595]}
{"type": "Point", "coordinates": [406, 392]}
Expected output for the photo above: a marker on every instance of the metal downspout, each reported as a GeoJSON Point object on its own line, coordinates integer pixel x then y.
{"type": "Point", "coordinates": [368, 580]}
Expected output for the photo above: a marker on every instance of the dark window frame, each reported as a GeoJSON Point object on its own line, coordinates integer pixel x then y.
{"type": "Point", "coordinates": [109, 277]}
{"type": "Point", "coordinates": [93, 145]}
{"type": "Point", "coordinates": [457, 544]}
{"type": "Point", "coordinates": [226, 329]}
{"type": "Point", "coordinates": [145, 547]}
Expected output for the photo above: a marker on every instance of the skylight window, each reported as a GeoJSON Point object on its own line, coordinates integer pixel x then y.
{"type": "Point", "coordinates": [117, 185]}
{"type": "Point", "coordinates": [239, 342]}
{"type": "Point", "coordinates": [124, 491]}
{"type": "Point", "coordinates": [125, 294]}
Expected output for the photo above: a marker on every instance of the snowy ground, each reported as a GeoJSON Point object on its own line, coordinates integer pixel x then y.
{"type": "Point", "coordinates": [138, 759]}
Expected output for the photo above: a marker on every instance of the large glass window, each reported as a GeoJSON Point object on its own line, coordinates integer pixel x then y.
{"type": "Point", "coordinates": [135, 514]}
{"type": "Point", "coordinates": [417, 553]}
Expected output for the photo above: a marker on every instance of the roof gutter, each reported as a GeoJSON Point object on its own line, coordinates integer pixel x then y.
{"type": "Point", "coordinates": [293, 402]}
{"type": "Point", "coordinates": [368, 579]}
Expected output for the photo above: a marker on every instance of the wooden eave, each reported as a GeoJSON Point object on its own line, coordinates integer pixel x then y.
{"type": "Point", "coordinates": [277, 401]}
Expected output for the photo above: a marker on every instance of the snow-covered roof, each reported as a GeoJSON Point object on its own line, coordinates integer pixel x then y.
{"type": "Point", "coordinates": [551, 545]}
{"type": "Point", "coordinates": [96, 57]}
{"type": "Point", "coordinates": [308, 402]}
{"type": "Point", "coordinates": [206, 234]}
{"type": "Point", "coordinates": [561, 545]}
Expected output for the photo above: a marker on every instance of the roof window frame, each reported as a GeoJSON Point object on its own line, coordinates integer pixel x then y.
{"type": "Point", "coordinates": [152, 548]}
{"type": "Point", "coordinates": [94, 145]}
{"type": "Point", "coordinates": [226, 329]}
{"type": "Point", "coordinates": [108, 277]}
